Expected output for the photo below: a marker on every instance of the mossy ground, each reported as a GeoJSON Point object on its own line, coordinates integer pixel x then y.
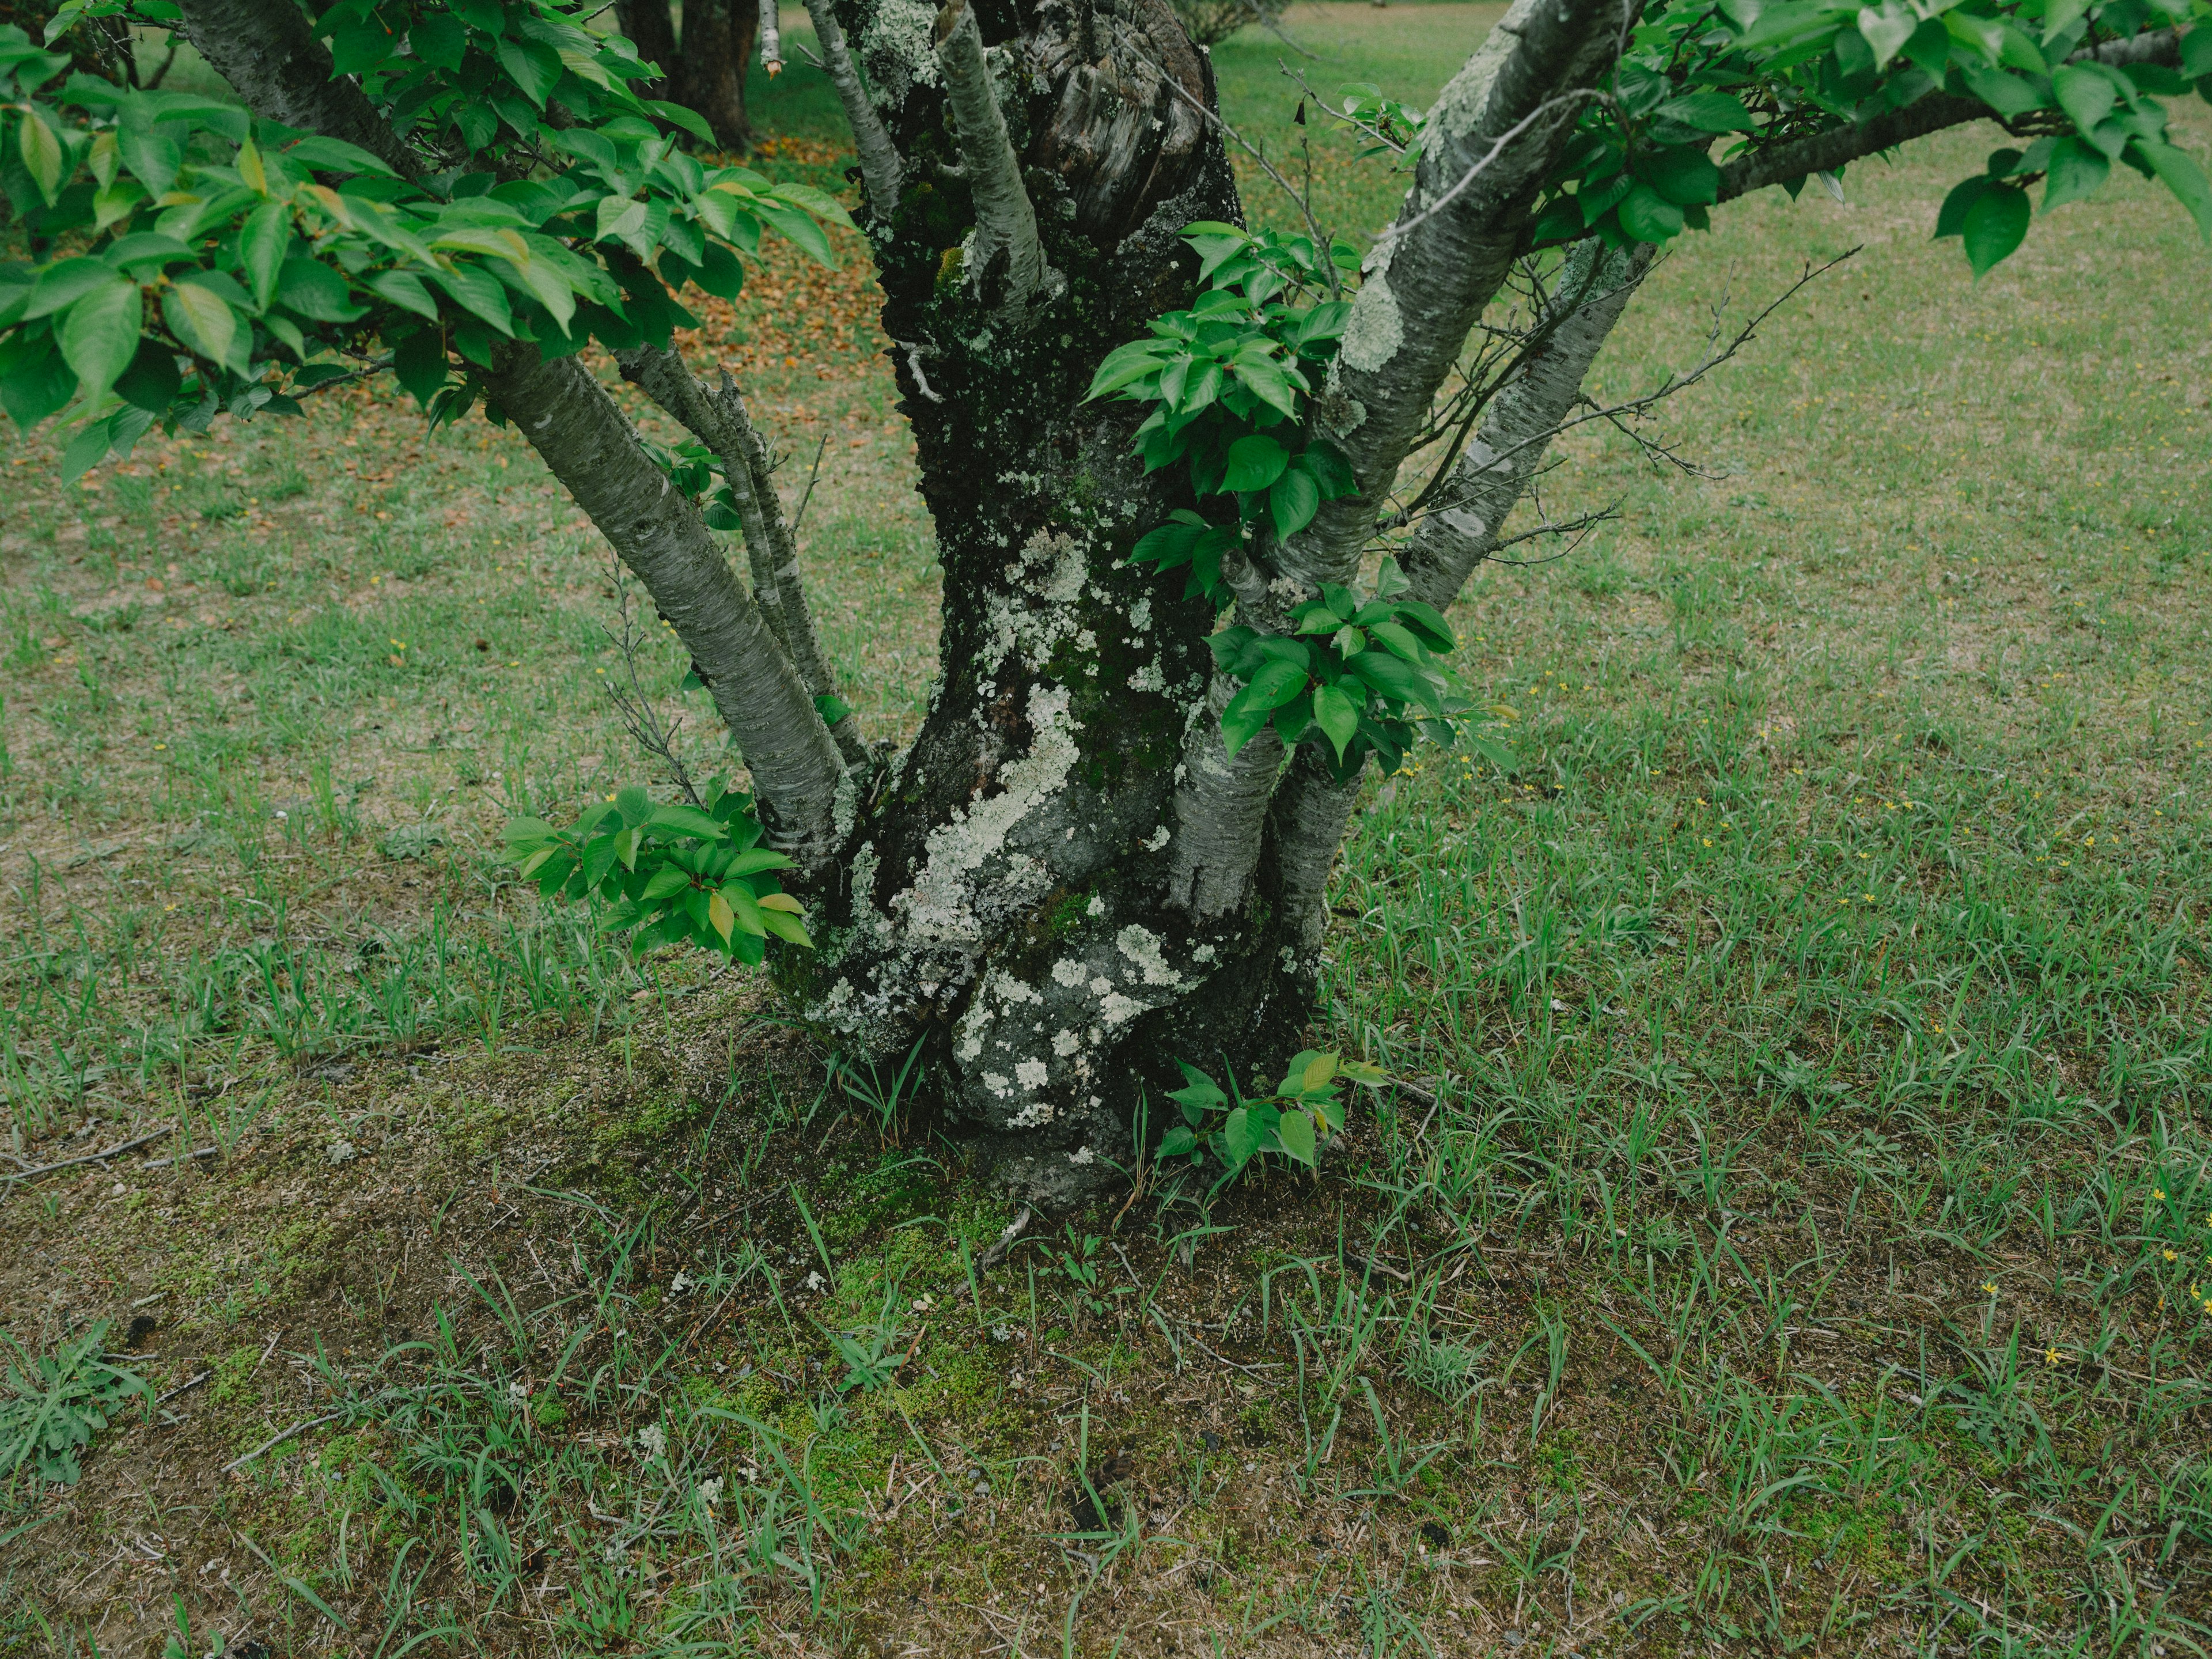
{"type": "Point", "coordinates": [1788, 1233]}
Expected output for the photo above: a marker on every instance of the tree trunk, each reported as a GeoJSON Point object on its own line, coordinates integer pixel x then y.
{"type": "Point", "coordinates": [706, 72]}
{"type": "Point", "coordinates": [1063, 886]}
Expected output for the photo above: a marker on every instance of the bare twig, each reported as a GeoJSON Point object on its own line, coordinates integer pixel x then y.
{"type": "Point", "coordinates": [1015, 1229]}
{"type": "Point", "coordinates": [182, 1387]}
{"type": "Point", "coordinates": [813, 472]}
{"type": "Point", "coordinates": [88, 1157]}
{"type": "Point", "coordinates": [914, 362]}
{"type": "Point", "coordinates": [1323, 240]}
{"type": "Point", "coordinates": [277, 1440]}
{"type": "Point", "coordinates": [1580, 95]}
{"type": "Point", "coordinates": [635, 705]}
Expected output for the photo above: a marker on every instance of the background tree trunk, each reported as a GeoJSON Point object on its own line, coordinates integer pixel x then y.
{"type": "Point", "coordinates": [705, 69]}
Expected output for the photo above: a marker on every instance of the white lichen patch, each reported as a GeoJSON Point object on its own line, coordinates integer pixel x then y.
{"type": "Point", "coordinates": [1148, 678]}
{"type": "Point", "coordinates": [1033, 1074]}
{"type": "Point", "coordinates": [942, 904]}
{"type": "Point", "coordinates": [1068, 972]}
{"type": "Point", "coordinates": [1374, 330]}
{"type": "Point", "coordinates": [900, 50]}
{"type": "Point", "coordinates": [1142, 946]}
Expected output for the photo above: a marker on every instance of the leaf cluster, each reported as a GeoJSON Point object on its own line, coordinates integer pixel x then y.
{"type": "Point", "coordinates": [1228, 380]}
{"type": "Point", "coordinates": [667, 873]}
{"type": "Point", "coordinates": [1360, 674]}
{"type": "Point", "coordinates": [1291, 1122]}
{"type": "Point", "coordinates": [199, 261]}
{"type": "Point", "coordinates": [1761, 75]}
{"type": "Point", "coordinates": [57, 1402]}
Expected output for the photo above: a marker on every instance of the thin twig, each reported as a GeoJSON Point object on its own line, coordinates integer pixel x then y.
{"type": "Point", "coordinates": [1578, 96]}
{"type": "Point", "coordinates": [279, 1439]}
{"type": "Point", "coordinates": [182, 1387]}
{"type": "Point", "coordinates": [1321, 239]}
{"type": "Point", "coordinates": [1015, 1229]}
{"type": "Point", "coordinates": [812, 473]}
{"type": "Point", "coordinates": [89, 1158]}
{"type": "Point", "coordinates": [639, 717]}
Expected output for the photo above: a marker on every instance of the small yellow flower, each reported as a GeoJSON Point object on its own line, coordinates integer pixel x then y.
{"type": "Point", "coordinates": [2052, 1356]}
{"type": "Point", "coordinates": [2158, 1193]}
{"type": "Point", "coordinates": [1989, 1286]}
{"type": "Point", "coordinates": [2170, 1255]}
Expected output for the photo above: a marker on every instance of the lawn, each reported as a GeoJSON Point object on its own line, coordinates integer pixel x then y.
{"type": "Point", "coordinates": [1789, 1228]}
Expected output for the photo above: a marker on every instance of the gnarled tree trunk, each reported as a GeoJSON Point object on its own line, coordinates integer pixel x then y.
{"type": "Point", "coordinates": [1065, 882]}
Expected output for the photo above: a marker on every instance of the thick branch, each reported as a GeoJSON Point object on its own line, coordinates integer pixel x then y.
{"type": "Point", "coordinates": [1825, 152]}
{"type": "Point", "coordinates": [1006, 222]}
{"type": "Point", "coordinates": [882, 172]}
{"type": "Point", "coordinates": [1306, 823]}
{"type": "Point", "coordinates": [1515, 431]}
{"type": "Point", "coordinates": [1492, 139]}
{"type": "Point", "coordinates": [718, 419]}
{"type": "Point", "coordinates": [589, 445]}
{"type": "Point", "coordinates": [264, 50]}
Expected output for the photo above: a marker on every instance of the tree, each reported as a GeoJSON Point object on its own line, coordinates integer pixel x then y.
{"type": "Point", "coordinates": [1108, 847]}
{"type": "Point", "coordinates": [705, 71]}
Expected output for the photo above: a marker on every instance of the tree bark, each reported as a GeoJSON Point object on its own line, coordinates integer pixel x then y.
{"type": "Point", "coordinates": [705, 70]}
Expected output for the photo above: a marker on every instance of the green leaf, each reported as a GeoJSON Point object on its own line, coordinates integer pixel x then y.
{"type": "Point", "coordinates": [1295, 1133]}
{"type": "Point", "coordinates": [1254, 463]}
{"type": "Point", "coordinates": [689, 119]}
{"type": "Point", "coordinates": [533, 66]}
{"type": "Point", "coordinates": [403, 289]}
{"type": "Point", "coordinates": [439, 39]}
{"type": "Point", "coordinates": [419, 361]}
{"type": "Point", "coordinates": [1886, 30]}
{"type": "Point", "coordinates": [151, 382]}
{"type": "Point", "coordinates": [312, 289]}
{"type": "Point", "coordinates": [201, 320]}
{"type": "Point", "coordinates": [1278, 682]}
{"type": "Point", "coordinates": [1177, 1141]}
{"type": "Point", "coordinates": [100, 336]}
{"type": "Point", "coordinates": [1649, 216]}
{"type": "Point", "coordinates": [1707, 112]}
{"type": "Point", "coordinates": [34, 381]}
{"type": "Point", "coordinates": [41, 151]}
{"type": "Point", "coordinates": [86, 451]}
{"type": "Point", "coordinates": [261, 244]}
{"type": "Point", "coordinates": [1124, 366]}
{"type": "Point", "coordinates": [1951, 218]}
{"type": "Point", "coordinates": [477, 292]}
{"type": "Point", "coordinates": [2086, 96]}
{"type": "Point", "coordinates": [1242, 1135]}
{"type": "Point", "coordinates": [1995, 225]}
{"type": "Point", "coordinates": [1684, 176]}
{"type": "Point", "coordinates": [2076, 171]}
{"type": "Point", "coordinates": [322, 154]}
{"type": "Point", "coordinates": [685, 821]}
{"type": "Point", "coordinates": [2178, 171]}
{"type": "Point", "coordinates": [360, 43]}
{"type": "Point", "coordinates": [1292, 501]}
{"type": "Point", "coordinates": [1337, 716]}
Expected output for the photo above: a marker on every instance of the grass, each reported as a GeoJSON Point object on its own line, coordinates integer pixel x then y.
{"type": "Point", "coordinates": [1790, 1234]}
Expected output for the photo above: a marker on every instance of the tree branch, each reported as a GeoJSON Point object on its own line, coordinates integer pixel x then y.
{"type": "Point", "coordinates": [576, 428]}
{"type": "Point", "coordinates": [883, 174]}
{"type": "Point", "coordinates": [1491, 140]}
{"type": "Point", "coordinates": [1825, 152]}
{"type": "Point", "coordinates": [1006, 222]}
{"type": "Point", "coordinates": [264, 48]}
{"type": "Point", "coordinates": [718, 419]}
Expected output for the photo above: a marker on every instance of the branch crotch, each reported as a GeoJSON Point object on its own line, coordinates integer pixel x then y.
{"type": "Point", "coordinates": [1006, 254]}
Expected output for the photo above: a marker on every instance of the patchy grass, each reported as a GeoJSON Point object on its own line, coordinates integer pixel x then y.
{"type": "Point", "coordinates": [1790, 1234]}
